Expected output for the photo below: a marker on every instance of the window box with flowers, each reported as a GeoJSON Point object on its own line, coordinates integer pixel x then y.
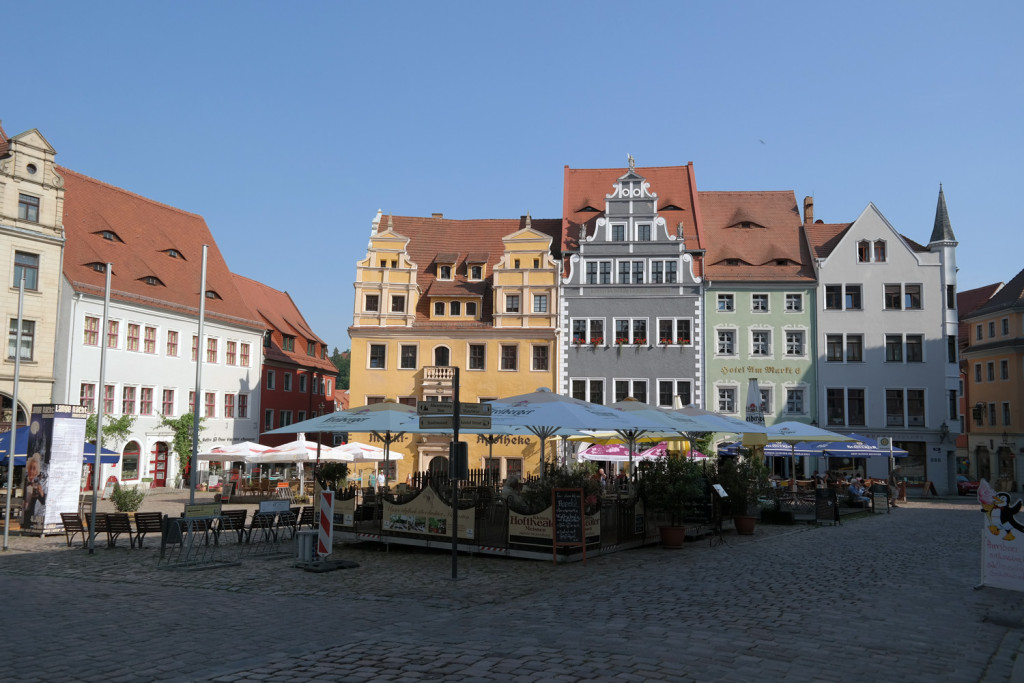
{"type": "Point", "coordinates": [682, 341]}
{"type": "Point", "coordinates": [596, 341]}
{"type": "Point", "coordinates": [665, 341]}
{"type": "Point", "coordinates": [619, 341]}
{"type": "Point", "coordinates": [640, 341]}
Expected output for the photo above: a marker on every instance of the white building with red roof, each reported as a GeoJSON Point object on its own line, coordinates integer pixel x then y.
{"type": "Point", "coordinates": [152, 338]}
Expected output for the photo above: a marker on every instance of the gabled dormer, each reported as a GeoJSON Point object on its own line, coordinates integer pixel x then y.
{"type": "Point", "coordinates": [631, 212]}
{"type": "Point", "coordinates": [386, 290]}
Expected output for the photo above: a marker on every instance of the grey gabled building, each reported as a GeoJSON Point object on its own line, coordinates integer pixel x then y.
{"type": "Point", "coordinates": [631, 302]}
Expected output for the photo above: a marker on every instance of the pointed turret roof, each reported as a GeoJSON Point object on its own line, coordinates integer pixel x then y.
{"type": "Point", "coordinates": [943, 231]}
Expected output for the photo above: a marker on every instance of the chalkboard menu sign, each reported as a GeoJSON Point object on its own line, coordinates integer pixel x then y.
{"type": "Point", "coordinates": [567, 527]}
{"type": "Point", "coordinates": [826, 507]}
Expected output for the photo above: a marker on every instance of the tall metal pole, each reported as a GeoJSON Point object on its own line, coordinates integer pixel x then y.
{"type": "Point", "coordinates": [194, 457]}
{"type": "Point", "coordinates": [14, 410]}
{"type": "Point", "coordinates": [99, 408]}
{"type": "Point", "coordinates": [455, 475]}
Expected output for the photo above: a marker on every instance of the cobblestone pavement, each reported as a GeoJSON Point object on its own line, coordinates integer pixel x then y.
{"type": "Point", "coordinates": [882, 598]}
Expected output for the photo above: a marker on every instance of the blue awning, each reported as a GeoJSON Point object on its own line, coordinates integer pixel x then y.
{"type": "Point", "coordinates": [107, 456]}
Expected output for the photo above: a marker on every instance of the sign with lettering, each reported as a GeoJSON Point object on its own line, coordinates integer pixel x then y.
{"type": "Point", "coordinates": [475, 408]}
{"type": "Point", "coordinates": [1002, 550]}
{"type": "Point", "coordinates": [567, 514]}
{"type": "Point", "coordinates": [434, 407]}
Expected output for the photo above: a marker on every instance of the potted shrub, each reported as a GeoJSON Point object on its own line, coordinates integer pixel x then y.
{"type": "Point", "coordinates": [745, 479]}
{"type": "Point", "coordinates": [667, 486]}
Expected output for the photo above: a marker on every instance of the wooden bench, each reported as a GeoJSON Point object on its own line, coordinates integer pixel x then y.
{"type": "Point", "coordinates": [119, 523]}
{"type": "Point", "coordinates": [73, 525]}
{"type": "Point", "coordinates": [147, 522]}
{"type": "Point", "coordinates": [233, 520]}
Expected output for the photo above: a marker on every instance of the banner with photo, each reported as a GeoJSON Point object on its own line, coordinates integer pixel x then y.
{"type": "Point", "coordinates": [534, 532]}
{"type": "Point", "coordinates": [1002, 539]}
{"type": "Point", "coordinates": [53, 465]}
{"type": "Point", "coordinates": [427, 514]}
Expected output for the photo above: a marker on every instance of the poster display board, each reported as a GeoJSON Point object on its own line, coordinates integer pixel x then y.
{"type": "Point", "coordinates": [426, 514]}
{"type": "Point", "coordinates": [1002, 539]}
{"type": "Point", "coordinates": [53, 465]}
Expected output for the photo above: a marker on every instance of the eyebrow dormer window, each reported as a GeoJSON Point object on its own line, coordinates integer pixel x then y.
{"type": "Point", "coordinates": [98, 267]}
{"type": "Point", "coordinates": [210, 294]}
{"type": "Point", "coordinates": [444, 272]}
{"type": "Point", "coordinates": [109, 235]}
{"type": "Point", "coordinates": [174, 253]}
{"type": "Point", "coordinates": [152, 280]}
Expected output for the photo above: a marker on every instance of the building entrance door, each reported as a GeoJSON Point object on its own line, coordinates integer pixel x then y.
{"type": "Point", "coordinates": [160, 464]}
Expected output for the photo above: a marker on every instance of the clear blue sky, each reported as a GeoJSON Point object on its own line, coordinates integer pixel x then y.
{"type": "Point", "coordinates": [287, 125]}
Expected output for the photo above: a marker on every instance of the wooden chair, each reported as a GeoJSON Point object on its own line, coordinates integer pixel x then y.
{"type": "Point", "coordinates": [147, 522]}
{"type": "Point", "coordinates": [73, 525]}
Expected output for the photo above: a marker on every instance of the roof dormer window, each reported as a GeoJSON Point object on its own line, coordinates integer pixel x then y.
{"type": "Point", "coordinates": [109, 235]}
{"type": "Point", "coordinates": [210, 294]}
{"type": "Point", "coordinates": [173, 253]}
{"type": "Point", "coordinates": [444, 272]}
{"type": "Point", "coordinates": [97, 266]}
{"type": "Point", "coordinates": [476, 272]}
{"type": "Point", "coordinates": [152, 280]}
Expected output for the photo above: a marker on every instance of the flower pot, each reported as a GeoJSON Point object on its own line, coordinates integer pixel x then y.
{"type": "Point", "coordinates": [672, 536]}
{"type": "Point", "coordinates": [745, 524]}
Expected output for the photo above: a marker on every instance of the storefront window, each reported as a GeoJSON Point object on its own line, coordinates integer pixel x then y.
{"type": "Point", "coordinates": [913, 466]}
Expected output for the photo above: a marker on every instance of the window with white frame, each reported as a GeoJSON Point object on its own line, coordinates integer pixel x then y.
{"type": "Point", "coordinates": [268, 418]}
{"type": "Point", "coordinates": [146, 401]}
{"type": "Point", "coordinates": [127, 400]}
{"type": "Point", "coordinates": [726, 399]}
{"type": "Point", "coordinates": [28, 339]}
{"type": "Point", "coordinates": [664, 272]}
{"type": "Point", "coordinates": [726, 345]}
{"type": "Point", "coordinates": [229, 405]}
{"type": "Point", "coordinates": [87, 396]}
{"type": "Point", "coordinates": [643, 232]}
{"type": "Point", "coordinates": [843, 297]}
{"type": "Point", "coordinates": [172, 343]}
{"type": "Point", "coordinates": [540, 303]}
{"type": "Point", "coordinates": [398, 303]}
{"type": "Point", "coordinates": [509, 357]}
{"type": "Point", "coordinates": [286, 381]}
{"type": "Point", "coordinates": [759, 303]}
{"type": "Point", "coordinates": [286, 418]}
{"type": "Point", "coordinates": [471, 309]}
{"type": "Point", "coordinates": [591, 390]}
{"type": "Point", "coordinates": [167, 403]}
{"type": "Point", "coordinates": [674, 331]}
{"type": "Point", "coordinates": [477, 356]}
{"type": "Point", "coordinates": [408, 356]}
{"type": "Point", "coordinates": [631, 272]}
{"type": "Point", "coordinates": [92, 331]}
{"type": "Point", "coordinates": [845, 406]}
{"type": "Point", "coordinates": [455, 308]}
{"type": "Point", "coordinates": [438, 309]}
{"type": "Point", "coordinates": [760, 343]}
{"type": "Point", "coordinates": [149, 340]}
{"type": "Point", "coordinates": [726, 303]}
{"type": "Point", "coordinates": [371, 303]}
{"type": "Point", "coordinates": [619, 232]}
{"type": "Point", "coordinates": [271, 380]}
{"type": "Point", "coordinates": [243, 406]}
{"type": "Point", "coordinates": [588, 331]}
{"type": "Point", "coordinates": [27, 264]}
{"type": "Point", "coordinates": [794, 302]}
{"type": "Point", "coordinates": [669, 389]}
{"type": "Point", "coordinates": [631, 331]}
{"type": "Point", "coordinates": [132, 339]}
{"type": "Point", "coordinates": [795, 342]}
{"type": "Point", "coordinates": [511, 303]}
{"type": "Point", "coordinates": [377, 356]}
{"type": "Point", "coordinates": [796, 399]}
{"type": "Point", "coordinates": [630, 388]}
{"type": "Point", "coordinates": [302, 383]}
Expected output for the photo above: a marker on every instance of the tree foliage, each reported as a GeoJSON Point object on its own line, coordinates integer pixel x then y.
{"type": "Point", "coordinates": [181, 444]}
{"type": "Point", "coordinates": [115, 430]}
{"type": "Point", "coordinates": [341, 361]}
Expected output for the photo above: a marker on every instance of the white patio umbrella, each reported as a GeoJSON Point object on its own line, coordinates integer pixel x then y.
{"type": "Point", "coordinates": [796, 432]}
{"type": "Point", "coordinates": [364, 452]}
{"type": "Point", "coordinates": [544, 413]}
{"type": "Point", "coordinates": [716, 422]}
{"type": "Point", "coordinates": [300, 452]}
{"type": "Point", "coordinates": [236, 452]}
{"type": "Point", "coordinates": [387, 421]}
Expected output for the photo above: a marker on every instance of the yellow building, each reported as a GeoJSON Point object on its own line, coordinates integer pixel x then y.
{"type": "Point", "coordinates": [32, 242]}
{"type": "Point", "coordinates": [994, 360]}
{"type": "Point", "coordinates": [435, 293]}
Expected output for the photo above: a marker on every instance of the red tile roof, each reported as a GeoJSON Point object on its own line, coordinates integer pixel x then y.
{"type": "Point", "coordinates": [477, 238]}
{"type": "Point", "coordinates": [822, 238]}
{"type": "Point", "coordinates": [146, 230]}
{"type": "Point", "coordinates": [1009, 296]}
{"type": "Point", "coordinates": [761, 231]}
{"type": "Point", "coordinates": [970, 300]}
{"type": "Point", "coordinates": [675, 186]}
{"type": "Point", "coordinates": [279, 312]}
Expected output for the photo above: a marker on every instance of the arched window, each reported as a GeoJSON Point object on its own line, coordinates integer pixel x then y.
{"type": "Point", "coordinates": [130, 461]}
{"type": "Point", "coordinates": [442, 356]}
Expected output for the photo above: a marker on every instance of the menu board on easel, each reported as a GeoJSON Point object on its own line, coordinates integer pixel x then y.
{"type": "Point", "coordinates": [567, 526]}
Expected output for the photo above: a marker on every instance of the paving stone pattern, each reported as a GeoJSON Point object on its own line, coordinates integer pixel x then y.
{"type": "Point", "coordinates": [882, 598]}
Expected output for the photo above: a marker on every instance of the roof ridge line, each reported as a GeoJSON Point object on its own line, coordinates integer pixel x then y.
{"type": "Point", "coordinates": [130, 193]}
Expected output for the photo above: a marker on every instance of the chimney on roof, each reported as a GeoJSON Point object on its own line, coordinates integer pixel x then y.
{"type": "Point", "coordinates": [808, 210]}
{"type": "Point", "coordinates": [437, 215]}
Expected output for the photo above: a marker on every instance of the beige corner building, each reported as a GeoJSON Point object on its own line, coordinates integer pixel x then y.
{"type": "Point", "coordinates": [31, 243]}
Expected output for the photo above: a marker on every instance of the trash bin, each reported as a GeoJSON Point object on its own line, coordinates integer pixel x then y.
{"type": "Point", "coordinates": [306, 540]}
